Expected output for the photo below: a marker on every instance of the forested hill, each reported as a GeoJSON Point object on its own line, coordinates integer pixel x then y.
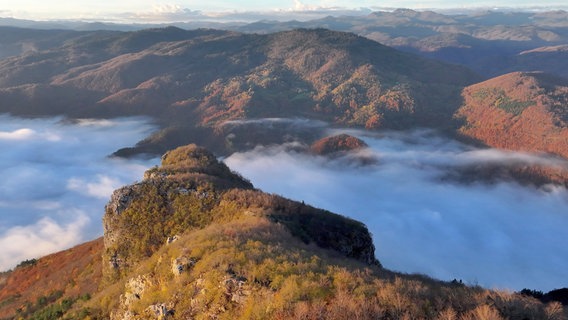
{"type": "Point", "coordinates": [198, 84]}
{"type": "Point", "coordinates": [202, 78]}
{"type": "Point", "coordinates": [525, 111]}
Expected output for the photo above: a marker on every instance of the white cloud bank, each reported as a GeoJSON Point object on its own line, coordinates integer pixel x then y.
{"type": "Point", "coordinates": [45, 236]}
{"type": "Point", "coordinates": [56, 178]}
{"type": "Point", "coordinates": [501, 235]}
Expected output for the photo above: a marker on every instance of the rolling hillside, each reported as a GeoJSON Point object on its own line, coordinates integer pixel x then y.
{"type": "Point", "coordinates": [518, 111]}
{"type": "Point", "coordinates": [202, 78]}
{"type": "Point", "coordinates": [489, 42]}
{"type": "Point", "coordinates": [36, 284]}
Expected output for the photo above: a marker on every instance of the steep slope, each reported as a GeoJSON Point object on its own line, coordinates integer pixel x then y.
{"type": "Point", "coordinates": [35, 284]}
{"type": "Point", "coordinates": [518, 111]}
{"type": "Point", "coordinates": [203, 78]}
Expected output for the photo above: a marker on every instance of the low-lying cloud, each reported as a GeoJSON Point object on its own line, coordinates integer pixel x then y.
{"type": "Point", "coordinates": [497, 235]}
{"type": "Point", "coordinates": [38, 239]}
{"type": "Point", "coordinates": [56, 179]}
{"type": "Point", "coordinates": [102, 187]}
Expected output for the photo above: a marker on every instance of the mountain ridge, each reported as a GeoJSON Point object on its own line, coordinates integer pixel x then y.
{"type": "Point", "coordinates": [256, 256]}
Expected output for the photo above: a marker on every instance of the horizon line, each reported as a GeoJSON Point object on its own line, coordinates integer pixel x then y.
{"type": "Point", "coordinates": [186, 15]}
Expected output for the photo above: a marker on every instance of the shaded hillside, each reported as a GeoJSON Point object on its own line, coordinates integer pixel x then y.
{"type": "Point", "coordinates": [488, 42]}
{"type": "Point", "coordinates": [203, 78]}
{"type": "Point", "coordinates": [518, 111]}
{"type": "Point", "coordinates": [16, 41]}
{"type": "Point", "coordinates": [194, 240]}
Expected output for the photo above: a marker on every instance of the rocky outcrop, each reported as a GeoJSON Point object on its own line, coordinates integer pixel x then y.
{"type": "Point", "coordinates": [135, 287]}
{"type": "Point", "coordinates": [119, 201]}
{"type": "Point", "coordinates": [182, 264]}
{"type": "Point", "coordinates": [191, 190]}
{"type": "Point", "coordinates": [190, 175]}
{"type": "Point", "coordinates": [159, 311]}
{"type": "Point", "coordinates": [236, 289]}
{"type": "Point", "coordinates": [134, 290]}
{"type": "Point", "coordinates": [331, 231]}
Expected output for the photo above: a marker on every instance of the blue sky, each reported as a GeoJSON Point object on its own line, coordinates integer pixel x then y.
{"type": "Point", "coordinates": [177, 9]}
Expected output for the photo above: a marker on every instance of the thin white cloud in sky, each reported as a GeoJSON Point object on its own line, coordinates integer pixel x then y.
{"type": "Point", "coordinates": [497, 235]}
{"type": "Point", "coordinates": [56, 179]}
{"type": "Point", "coordinates": [152, 11]}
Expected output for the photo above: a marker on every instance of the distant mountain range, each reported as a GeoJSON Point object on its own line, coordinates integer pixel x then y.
{"type": "Point", "coordinates": [491, 43]}
{"type": "Point", "coordinates": [203, 78]}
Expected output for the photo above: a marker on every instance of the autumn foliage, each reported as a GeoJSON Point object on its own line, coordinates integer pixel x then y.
{"type": "Point", "coordinates": [518, 111]}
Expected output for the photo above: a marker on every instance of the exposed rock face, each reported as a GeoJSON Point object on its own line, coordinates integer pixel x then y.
{"type": "Point", "coordinates": [181, 264]}
{"type": "Point", "coordinates": [119, 201]}
{"type": "Point", "coordinates": [159, 311]}
{"type": "Point", "coordinates": [236, 289]}
{"type": "Point", "coordinates": [135, 287]}
{"type": "Point", "coordinates": [133, 291]}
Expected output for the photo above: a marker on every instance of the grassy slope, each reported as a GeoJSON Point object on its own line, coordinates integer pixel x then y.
{"type": "Point", "coordinates": [67, 274]}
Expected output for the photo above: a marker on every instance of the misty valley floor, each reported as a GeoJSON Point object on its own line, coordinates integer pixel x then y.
{"type": "Point", "coordinates": [58, 178]}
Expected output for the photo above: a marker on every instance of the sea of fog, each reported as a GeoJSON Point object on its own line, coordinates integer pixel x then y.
{"type": "Point", "coordinates": [56, 178]}
{"type": "Point", "coordinates": [500, 235]}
